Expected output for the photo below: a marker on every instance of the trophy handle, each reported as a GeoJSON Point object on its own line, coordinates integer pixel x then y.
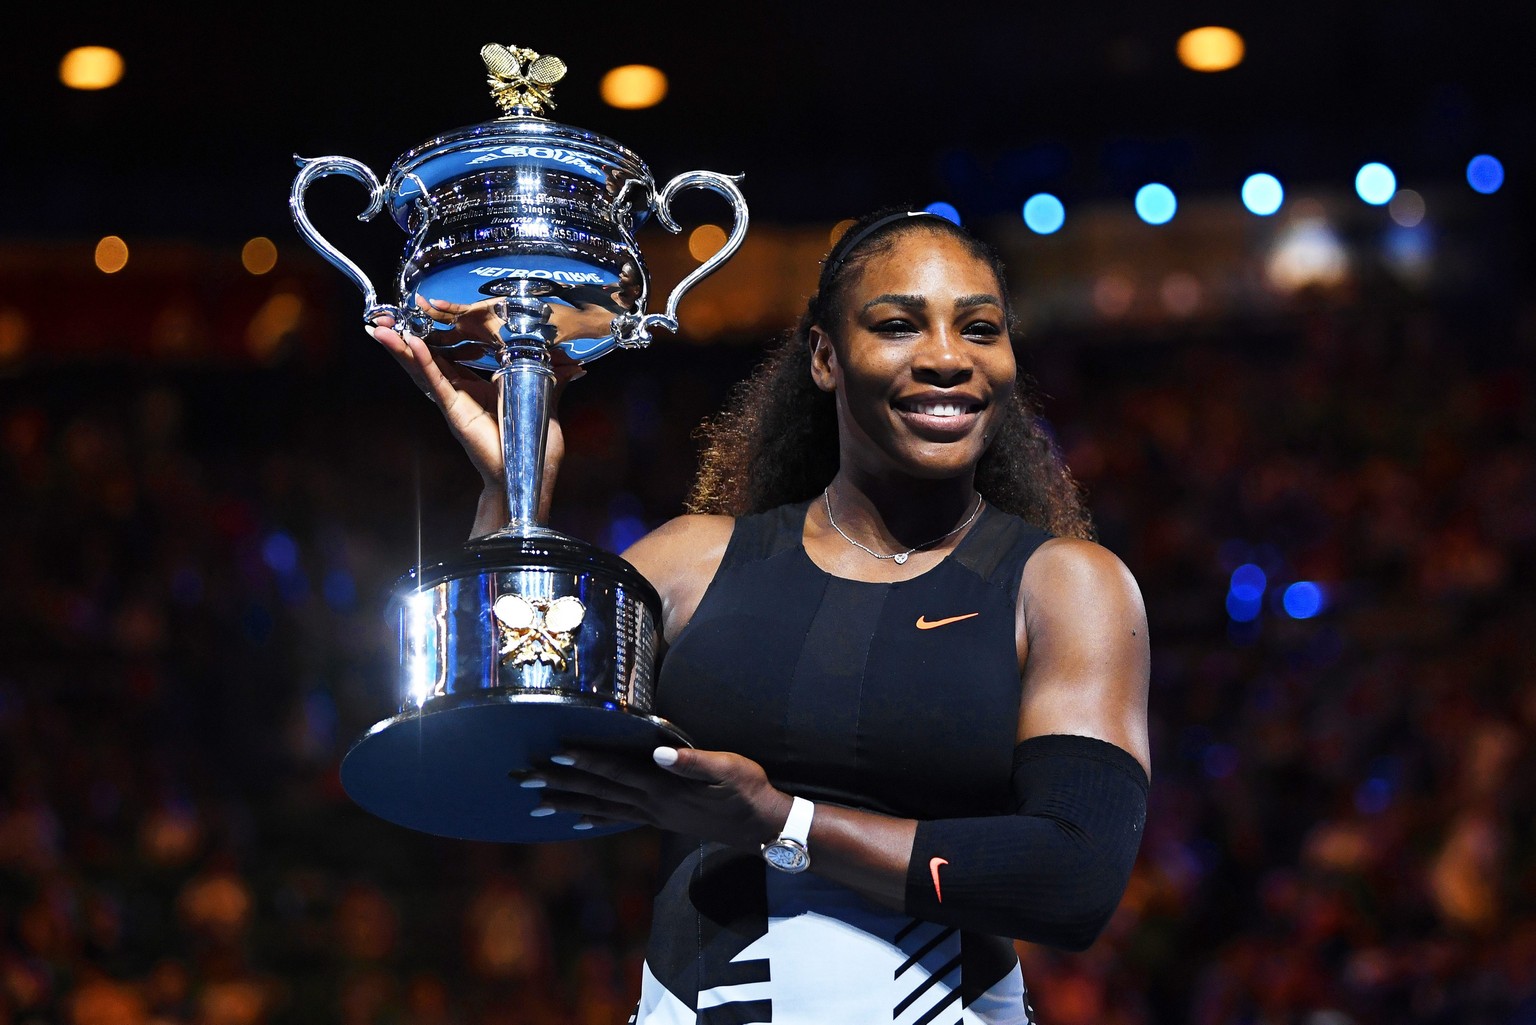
{"type": "Point", "coordinates": [633, 331]}
{"type": "Point", "coordinates": [311, 169]}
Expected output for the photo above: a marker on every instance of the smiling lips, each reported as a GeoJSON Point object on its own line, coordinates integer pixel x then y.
{"type": "Point", "coordinates": [948, 417]}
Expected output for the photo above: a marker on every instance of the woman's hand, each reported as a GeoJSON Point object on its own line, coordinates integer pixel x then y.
{"type": "Point", "coordinates": [467, 400]}
{"type": "Point", "coordinates": [714, 795]}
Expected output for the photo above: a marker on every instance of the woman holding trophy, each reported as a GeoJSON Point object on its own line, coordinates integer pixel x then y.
{"type": "Point", "coordinates": [917, 690]}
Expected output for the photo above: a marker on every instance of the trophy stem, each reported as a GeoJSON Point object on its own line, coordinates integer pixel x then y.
{"type": "Point", "coordinates": [522, 396]}
{"type": "Point", "coordinates": [523, 387]}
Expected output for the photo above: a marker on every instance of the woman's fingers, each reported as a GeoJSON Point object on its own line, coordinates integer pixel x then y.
{"type": "Point", "coordinates": [594, 809]}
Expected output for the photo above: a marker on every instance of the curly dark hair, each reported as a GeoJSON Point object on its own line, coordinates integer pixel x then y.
{"type": "Point", "coordinates": [776, 440]}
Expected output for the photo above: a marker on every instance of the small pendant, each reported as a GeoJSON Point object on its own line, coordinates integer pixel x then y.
{"type": "Point", "coordinates": [901, 558]}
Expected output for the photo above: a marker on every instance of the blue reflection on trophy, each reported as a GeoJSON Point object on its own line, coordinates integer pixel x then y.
{"type": "Point", "coordinates": [523, 641]}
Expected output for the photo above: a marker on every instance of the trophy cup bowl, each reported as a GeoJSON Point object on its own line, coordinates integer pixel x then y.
{"type": "Point", "coordinates": [524, 641]}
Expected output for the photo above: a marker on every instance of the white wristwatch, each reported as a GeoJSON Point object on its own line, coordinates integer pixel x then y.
{"type": "Point", "coordinates": [789, 852]}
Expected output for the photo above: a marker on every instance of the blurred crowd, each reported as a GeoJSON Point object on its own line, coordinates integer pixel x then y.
{"type": "Point", "coordinates": [1343, 821]}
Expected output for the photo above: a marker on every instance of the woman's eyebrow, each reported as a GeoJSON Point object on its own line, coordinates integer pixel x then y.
{"type": "Point", "coordinates": [979, 299]}
{"type": "Point", "coordinates": [911, 302]}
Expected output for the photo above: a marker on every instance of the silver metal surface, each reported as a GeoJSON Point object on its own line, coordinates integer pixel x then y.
{"type": "Point", "coordinates": [451, 645]}
{"type": "Point", "coordinates": [513, 650]}
{"type": "Point", "coordinates": [524, 641]}
{"type": "Point", "coordinates": [522, 198]}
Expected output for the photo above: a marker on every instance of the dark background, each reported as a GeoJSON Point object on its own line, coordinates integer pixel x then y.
{"type": "Point", "coordinates": [202, 511]}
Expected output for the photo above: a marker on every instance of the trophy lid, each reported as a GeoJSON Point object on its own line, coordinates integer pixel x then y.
{"type": "Point", "coordinates": [521, 139]}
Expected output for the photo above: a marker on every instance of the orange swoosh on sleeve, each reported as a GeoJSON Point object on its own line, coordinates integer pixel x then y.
{"type": "Point", "coordinates": [933, 867]}
{"type": "Point", "coordinates": [924, 623]}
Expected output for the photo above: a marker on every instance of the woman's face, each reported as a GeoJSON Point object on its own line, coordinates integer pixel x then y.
{"type": "Point", "coordinates": [922, 365]}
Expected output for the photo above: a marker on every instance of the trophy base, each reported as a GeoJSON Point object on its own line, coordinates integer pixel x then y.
{"type": "Point", "coordinates": [455, 771]}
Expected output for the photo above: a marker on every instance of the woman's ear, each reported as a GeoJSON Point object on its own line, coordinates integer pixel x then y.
{"type": "Point", "coordinates": [823, 359]}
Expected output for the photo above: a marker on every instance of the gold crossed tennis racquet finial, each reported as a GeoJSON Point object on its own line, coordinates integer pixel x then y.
{"type": "Point", "coordinates": [521, 79]}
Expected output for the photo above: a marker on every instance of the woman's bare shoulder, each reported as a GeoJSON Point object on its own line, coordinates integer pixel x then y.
{"type": "Point", "coordinates": [680, 558]}
{"type": "Point", "coordinates": [687, 538]}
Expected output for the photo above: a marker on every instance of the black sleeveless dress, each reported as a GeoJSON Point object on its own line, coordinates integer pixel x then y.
{"type": "Point", "coordinates": [899, 698]}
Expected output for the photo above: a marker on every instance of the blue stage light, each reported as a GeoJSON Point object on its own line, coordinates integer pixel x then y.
{"type": "Point", "coordinates": [1156, 203]}
{"type": "Point", "coordinates": [1376, 184]}
{"type": "Point", "coordinates": [280, 553]}
{"type": "Point", "coordinates": [1243, 609]}
{"type": "Point", "coordinates": [944, 210]}
{"type": "Point", "coordinates": [1044, 214]}
{"type": "Point", "coordinates": [1303, 600]}
{"type": "Point", "coordinates": [1248, 582]}
{"type": "Point", "coordinates": [1263, 194]}
{"type": "Point", "coordinates": [1485, 174]}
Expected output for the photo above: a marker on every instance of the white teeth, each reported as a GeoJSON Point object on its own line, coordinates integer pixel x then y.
{"type": "Point", "coordinates": [940, 409]}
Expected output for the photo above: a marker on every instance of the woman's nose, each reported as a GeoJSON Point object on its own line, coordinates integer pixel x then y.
{"type": "Point", "coordinates": [942, 358]}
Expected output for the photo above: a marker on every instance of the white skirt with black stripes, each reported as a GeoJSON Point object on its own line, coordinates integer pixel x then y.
{"type": "Point", "coordinates": [832, 956]}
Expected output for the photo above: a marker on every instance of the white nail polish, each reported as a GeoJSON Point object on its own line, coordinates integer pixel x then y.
{"type": "Point", "coordinates": [562, 759]}
{"type": "Point", "coordinates": [533, 783]}
{"type": "Point", "coordinates": [665, 756]}
{"type": "Point", "coordinates": [541, 811]}
{"type": "Point", "coordinates": [583, 824]}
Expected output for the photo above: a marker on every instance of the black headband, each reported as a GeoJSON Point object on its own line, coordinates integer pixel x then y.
{"type": "Point", "coordinates": [836, 265]}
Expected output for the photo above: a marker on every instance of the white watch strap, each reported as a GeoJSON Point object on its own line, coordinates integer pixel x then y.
{"type": "Point", "coordinates": [798, 826]}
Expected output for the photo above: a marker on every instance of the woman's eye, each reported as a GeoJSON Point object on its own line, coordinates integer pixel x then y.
{"type": "Point", "coordinates": [984, 328]}
{"type": "Point", "coordinates": [894, 326]}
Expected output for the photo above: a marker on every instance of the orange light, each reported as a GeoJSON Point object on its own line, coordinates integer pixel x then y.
{"type": "Point", "coordinates": [258, 255]}
{"type": "Point", "coordinates": [634, 87]}
{"type": "Point", "coordinates": [91, 67]}
{"type": "Point", "coordinates": [14, 333]}
{"type": "Point", "coordinates": [705, 241]}
{"type": "Point", "coordinates": [1211, 48]}
{"type": "Point", "coordinates": [278, 317]}
{"type": "Point", "coordinates": [111, 255]}
{"type": "Point", "coordinates": [840, 229]}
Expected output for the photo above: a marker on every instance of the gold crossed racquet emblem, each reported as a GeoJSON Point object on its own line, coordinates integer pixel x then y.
{"type": "Point", "coordinates": [537, 629]}
{"type": "Point", "coordinates": [521, 78]}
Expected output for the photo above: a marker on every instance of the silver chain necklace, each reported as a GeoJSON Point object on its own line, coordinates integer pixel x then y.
{"type": "Point", "coordinates": [899, 557]}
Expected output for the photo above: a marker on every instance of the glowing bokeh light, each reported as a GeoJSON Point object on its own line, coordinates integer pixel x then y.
{"type": "Point", "coordinates": [1241, 609]}
{"type": "Point", "coordinates": [1248, 582]}
{"type": "Point", "coordinates": [1303, 600]}
{"type": "Point", "coordinates": [1410, 252]}
{"type": "Point", "coordinates": [633, 87]}
{"type": "Point", "coordinates": [1156, 203]}
{"type": "Point", "coordinates": [1376, 184]}
{"type": "Point", "coordinates": [111, 255]}
{"type": "Point", "coordinates": [1211, 48]}
{"type": "Point", "coordinates": [280, 552]}
{"type": "Point", "coordinates": [1180, 293]}
{"type": "Point", "coordinates": [14, 334]}
{"type": "Point", "coordinates": [91, 67]}
{"type": "Point", "coordinates": [1263, 194]}
{"type": "Point", "coordinates": [944, 210]}
{"type": "Point", "coordinates": [1307, 253]}
{"type": "Point", "coordinates": [1044, 214]}
{"type": "Point", "coordinates": [259, 255]}
{"type": "Point", "coordinates": [1113, 295]}
{"type": "Point", "coordinates": [1485, 174]}
{"type": "Point", "coordinates": [705, 241]}
{"type": "Point", "coordinates": [1406, 208]}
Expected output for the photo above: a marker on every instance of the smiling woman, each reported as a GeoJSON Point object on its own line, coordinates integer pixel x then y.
{"type": "Point", "coordinates": [917, 691]}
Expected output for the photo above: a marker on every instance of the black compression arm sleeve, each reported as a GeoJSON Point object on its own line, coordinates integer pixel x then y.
{"type": "Point", "coordinates": [1054, 872]}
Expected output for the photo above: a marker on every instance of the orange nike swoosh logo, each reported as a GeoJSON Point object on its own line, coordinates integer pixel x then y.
{"type": "Point", "coordinates": [923, 623]}
{"type": "Point", "coordinates": [933, 866]}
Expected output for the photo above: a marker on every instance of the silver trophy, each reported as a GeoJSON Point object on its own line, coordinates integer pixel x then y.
{"type": "Point", "coordinates": [523, 641]}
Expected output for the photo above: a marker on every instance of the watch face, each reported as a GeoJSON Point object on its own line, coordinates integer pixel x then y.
{"type": "Point", "coordinates": [786, 856]}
